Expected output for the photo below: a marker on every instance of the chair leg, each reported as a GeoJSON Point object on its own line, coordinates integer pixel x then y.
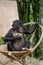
{"type": "Point", "coordinates": [23, 61]}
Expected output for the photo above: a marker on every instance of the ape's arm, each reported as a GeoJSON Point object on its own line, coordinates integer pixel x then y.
{"type": "Point", "coordinates": [32, 29]}
{"type": "Point", "coordinates": [9, 36]}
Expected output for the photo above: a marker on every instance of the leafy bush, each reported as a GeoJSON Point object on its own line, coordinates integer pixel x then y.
{"type": "Point", "coordinates": [1, 41]}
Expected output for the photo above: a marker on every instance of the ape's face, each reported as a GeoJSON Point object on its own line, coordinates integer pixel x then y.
{"type": "Point", "coordinates": [21, 29]}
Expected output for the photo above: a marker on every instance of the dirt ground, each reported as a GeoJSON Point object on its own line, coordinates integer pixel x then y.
{"type": "Point", "coordinates": [8, 13]}
{"type": "Point", "coordinates": [29, 61]}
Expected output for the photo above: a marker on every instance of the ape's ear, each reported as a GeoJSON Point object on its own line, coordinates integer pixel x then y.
{"type": "Point", "coordinates": [13, 25]}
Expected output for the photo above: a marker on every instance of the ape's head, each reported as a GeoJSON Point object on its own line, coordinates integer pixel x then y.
{"type": "Point", "coordinates": [17, 25]}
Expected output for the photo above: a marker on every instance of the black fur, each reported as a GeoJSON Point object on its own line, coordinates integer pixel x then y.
{"type": "Point", "coordinates": [11, 39]}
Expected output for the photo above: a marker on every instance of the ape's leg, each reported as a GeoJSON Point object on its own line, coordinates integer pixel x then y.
{"type": "Point", "coordinates": [27, 45]}
{"type": "Point", "coordinates": [9, 46]}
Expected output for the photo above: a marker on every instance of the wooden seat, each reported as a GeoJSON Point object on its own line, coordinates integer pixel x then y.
{"type": "Point", "coordinates": [3, 49]}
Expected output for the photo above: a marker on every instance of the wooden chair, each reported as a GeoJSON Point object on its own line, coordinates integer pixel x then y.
{"type": "Point", "coordinates": [20, 55]}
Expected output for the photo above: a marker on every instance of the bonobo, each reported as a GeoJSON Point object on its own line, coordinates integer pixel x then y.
{"type": "Point", "coordinates": [15, 36]}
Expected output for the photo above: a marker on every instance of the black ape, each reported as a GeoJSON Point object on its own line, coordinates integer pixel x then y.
{"type": "Point", "coordinates": [15, 36]}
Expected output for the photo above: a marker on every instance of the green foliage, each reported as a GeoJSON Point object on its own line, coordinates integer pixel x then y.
{"type": "Point", "coordinates": [1, 41]}
{"type": "Point", "coordinates": [29, 11]}
{"type": "Point", "coordinates": [23, 8]}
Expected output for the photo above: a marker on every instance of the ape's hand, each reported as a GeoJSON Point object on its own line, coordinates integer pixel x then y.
{"type": "Point", "coordinates": [16, 38]}
{"type": "Point", "coordinates": [17, 34]}
{"type": "Point", "coordinates": [37, 24]}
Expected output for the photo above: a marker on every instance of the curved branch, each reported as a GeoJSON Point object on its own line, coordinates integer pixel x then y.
{"type": "Point", "coordinates": [32, 49]}
{"type": "Point", "coordinates": [32, 36]}
{"type": "Point", "coordinates": [39, 39]}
